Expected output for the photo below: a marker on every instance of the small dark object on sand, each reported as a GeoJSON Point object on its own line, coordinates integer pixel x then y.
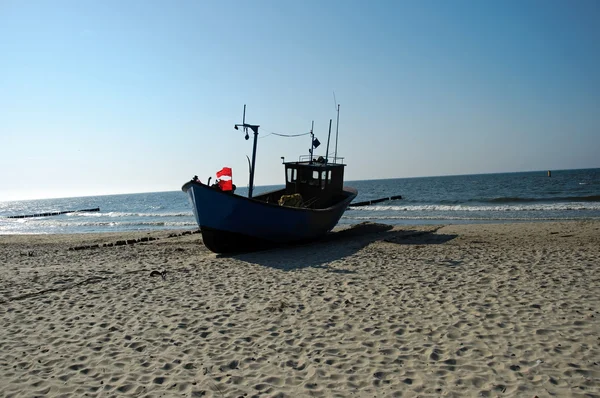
{"type": "Point", "coordinates": [163, 274]}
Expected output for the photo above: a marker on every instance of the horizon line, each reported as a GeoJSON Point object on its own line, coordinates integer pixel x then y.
{"type": "Point", "coordinates": [275, 185]}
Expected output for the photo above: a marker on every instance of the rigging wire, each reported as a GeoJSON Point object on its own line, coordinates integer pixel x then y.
{"type": "Point", "coordinates": [283, 135]}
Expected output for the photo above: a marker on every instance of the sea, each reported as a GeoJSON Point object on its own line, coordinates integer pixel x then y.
{"type": "Point", "coordinates": [481, 198]}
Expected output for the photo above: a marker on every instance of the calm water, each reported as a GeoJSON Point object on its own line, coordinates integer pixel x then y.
{"type": "Point", "coordinates": [531, 196]}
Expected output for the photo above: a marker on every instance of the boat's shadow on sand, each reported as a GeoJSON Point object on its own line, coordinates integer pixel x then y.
{"type": "Point", "coordinates": [338, 245]}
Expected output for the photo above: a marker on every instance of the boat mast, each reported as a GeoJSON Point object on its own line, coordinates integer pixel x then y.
{"type": "Point", "coordinates": [254, 128]}
{"type": "Point", "coordinates": [328, 137]}
{"type": "Point", "coordinates": [337, 124]}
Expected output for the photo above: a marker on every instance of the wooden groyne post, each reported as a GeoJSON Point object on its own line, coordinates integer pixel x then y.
{"type": "Point", "coordinates": [370, 202]}
{"type": "Point", "coordinates": [55, 213]}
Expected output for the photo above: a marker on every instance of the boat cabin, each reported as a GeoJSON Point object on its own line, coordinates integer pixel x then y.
{"type": "Point", "coordinates": [318, 182]}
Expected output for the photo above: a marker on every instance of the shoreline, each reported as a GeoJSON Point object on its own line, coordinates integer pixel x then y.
{"type": "Point", "coordinates": [399, 223]}
{"type": "Point", "coordinates": [501, 309]}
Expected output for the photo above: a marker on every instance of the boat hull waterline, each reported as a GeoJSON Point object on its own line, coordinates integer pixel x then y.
{"type": "Point", "coordinates": [232, 223]}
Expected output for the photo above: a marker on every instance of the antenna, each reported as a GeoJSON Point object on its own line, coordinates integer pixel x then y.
{"type": "Point", "coordinates": [244, 123]}
{"type": "Point", "coordinates": [334, 100]}
{"type": "Point", "coordinates": [312, 140]}
{"type": "Point", "coordinates": [337, 124]}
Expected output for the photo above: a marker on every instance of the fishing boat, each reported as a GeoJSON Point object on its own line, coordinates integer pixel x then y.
{"type": "Point", "coordinates": [311, 204]}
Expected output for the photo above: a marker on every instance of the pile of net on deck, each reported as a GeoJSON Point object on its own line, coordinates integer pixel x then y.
{"type": "Point", "coordinates": [294, 200]}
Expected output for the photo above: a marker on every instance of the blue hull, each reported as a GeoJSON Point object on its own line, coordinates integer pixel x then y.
{"type": "Point", "coordinates": [232, 223]}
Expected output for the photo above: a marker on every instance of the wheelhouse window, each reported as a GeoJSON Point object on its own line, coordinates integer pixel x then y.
{"type": "Point", "coordinates": [292, 175]}
{"type": "Point", "coordinates": [314, 180]}
{"type": "Point", "coordinates": [324, 179]}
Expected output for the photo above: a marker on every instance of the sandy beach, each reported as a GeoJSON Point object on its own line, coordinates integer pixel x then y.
{"type": "Point", "coordinates": [488, 310]}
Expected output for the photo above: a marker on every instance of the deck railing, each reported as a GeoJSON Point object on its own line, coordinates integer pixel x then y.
{"type": "Point", "coordinates": [331, 160]}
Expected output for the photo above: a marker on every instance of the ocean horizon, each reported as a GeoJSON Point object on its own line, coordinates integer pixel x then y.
{"type": "Point", "coordinates": [346, 182]}
{"type": "Point", "coordinates": [572, 194]}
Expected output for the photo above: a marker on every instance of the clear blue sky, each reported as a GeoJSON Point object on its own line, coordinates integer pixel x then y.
{"type": "Point", "coordinates": [102, 97]}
